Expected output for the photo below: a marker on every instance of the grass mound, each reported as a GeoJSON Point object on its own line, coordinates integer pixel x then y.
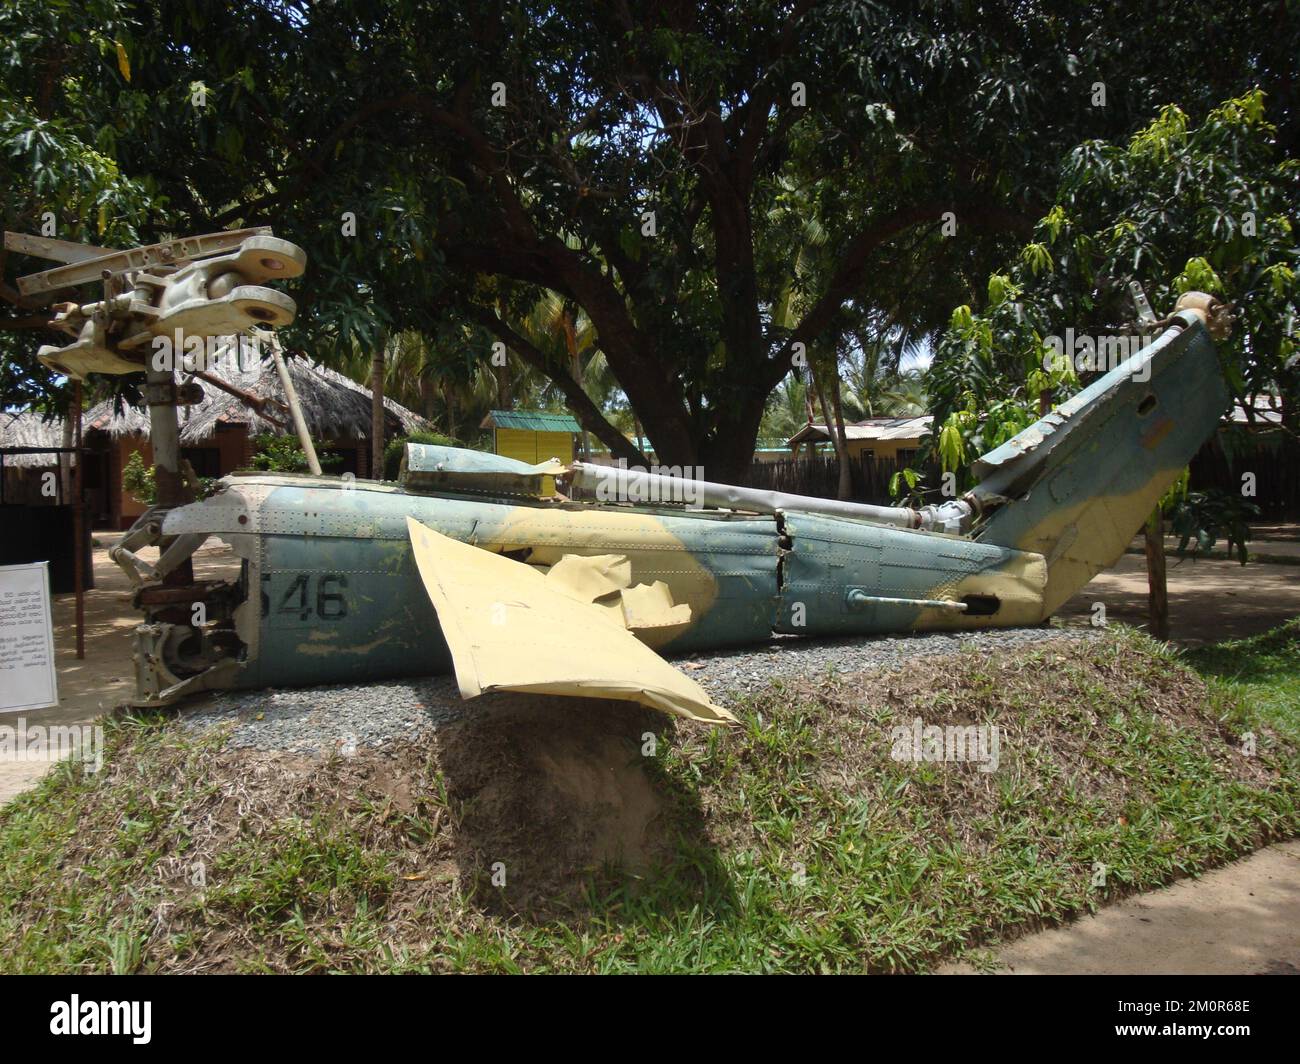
{"type": "Point", "coordinates": [1262, 672]}
{"type": "Point", "coordinates": [557, 835]}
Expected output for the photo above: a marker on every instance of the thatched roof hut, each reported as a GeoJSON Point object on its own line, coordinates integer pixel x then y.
{"type": "Point", "coordinates": [30, 430]}
{"type": "Point", "coordinates": [333, 406]}
{"type": "Point", "coordinates": [217, 433]}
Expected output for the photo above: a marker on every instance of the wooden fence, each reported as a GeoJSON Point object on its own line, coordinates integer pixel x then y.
{"type": "Point", "coordinates": [820, 477]}
{"type": "Point", "coordinates": [1276, 466]}
{"type": "Point", "coordinates": [1275, 462]}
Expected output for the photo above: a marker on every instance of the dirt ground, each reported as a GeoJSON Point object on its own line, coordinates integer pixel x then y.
{"type": "Point", "coordinates": [1242, 919]}
{"type": "Point", "coordinates": [1209, 600]}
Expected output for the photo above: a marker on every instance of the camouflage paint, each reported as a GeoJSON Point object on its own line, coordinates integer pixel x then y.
{"type": "Point", "coordinates": [831, 557]}
{"type": "Point", "coordinates": [336, 595]}
{"type": "Point", "coordinates": [1085, 479]}
{"type": "Point", "coordinates": [332, 592]}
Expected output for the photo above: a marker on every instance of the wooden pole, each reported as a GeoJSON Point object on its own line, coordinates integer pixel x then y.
{"type": "Point", "coordinates": [377, 412]}
{"type": "Point", "coordinates": [78, 523]}
{"type": "Point", "coordinates": [295, 408]}
{"type": "Point", "coordinates": [1157, 589]}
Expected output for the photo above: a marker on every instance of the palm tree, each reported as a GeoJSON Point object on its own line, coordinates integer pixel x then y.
{"type": "Point", "coordinates": [875, 386]}
{"type": "Point", "coordinates": [787, 408]}
{"type": "Point", "coordinates": [822, 359]}
{"type": "Point", "coordinates": [905, 396]}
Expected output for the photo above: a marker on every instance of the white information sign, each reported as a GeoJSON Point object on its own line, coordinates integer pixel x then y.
{"type": "Point", "coordinates": [26, 638]}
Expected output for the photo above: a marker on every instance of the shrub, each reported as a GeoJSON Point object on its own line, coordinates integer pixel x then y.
{"type": "Point", "coordinates": [138, 479]}
{"type": "Point", "coordinates": [283, 454]}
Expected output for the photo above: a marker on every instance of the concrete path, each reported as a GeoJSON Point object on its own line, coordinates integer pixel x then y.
{"type": "Point", "coordinates": [1242, 919]}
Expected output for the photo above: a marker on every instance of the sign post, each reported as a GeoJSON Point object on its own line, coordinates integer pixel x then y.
{"type": "Point", "coordinates": [27, 678]}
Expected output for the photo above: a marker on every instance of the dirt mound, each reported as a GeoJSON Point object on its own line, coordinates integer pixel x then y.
{"type": "Point", "coordinates": [518, 805]}
{"type": "Point", "coordinates": [539, 833]}
{"type": "Point", "coordinates": [551, 790]}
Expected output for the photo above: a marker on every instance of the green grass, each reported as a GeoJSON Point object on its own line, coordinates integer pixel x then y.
{"type": "Point", "coordinates": [792, 844]}
{"type": "Point", "coordinates": [1261, 673]}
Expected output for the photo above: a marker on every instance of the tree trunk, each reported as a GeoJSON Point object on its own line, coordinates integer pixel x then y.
{"type": "Point", "coordinates": [449, 400]}
{"type": "Point", "coordinates": [575, 397]}
{"type": "Point", "coordinates": [1289, 390]}
{"type": "Point", "coordinates": [846, 474]}
{"type": "Point", "coordinates": [427, 396]}
{"type": "Point", "coordinates": [571, 344]}
{"type": "Point", "coordinates": [728, 456]}
{"type": "Point", "coordinates": [1157, 590]}
{"type": "Point", "coordinates": [502, 374]}
{"type": "Point", "coordinates": [835, 430]}
{"type": "Point", "coordinates": [377, 412]}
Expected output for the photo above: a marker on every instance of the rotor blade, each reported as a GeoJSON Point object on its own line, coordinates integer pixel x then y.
{"type": "Point", "coordinates": [167, 253]}
{"type": "Point", "coordinates": [46, 247]}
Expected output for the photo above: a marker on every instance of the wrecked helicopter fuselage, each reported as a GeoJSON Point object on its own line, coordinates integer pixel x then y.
{"type": "Point", "coordinates": [469, 564]}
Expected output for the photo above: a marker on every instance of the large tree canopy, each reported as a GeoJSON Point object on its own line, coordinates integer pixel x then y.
{"type": "Point", "coordinates": [1177, 208]}
{"type": "Point", "coordinates": [662, 167]}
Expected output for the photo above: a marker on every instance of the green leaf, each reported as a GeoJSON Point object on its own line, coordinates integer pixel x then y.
{"type": "Point", "coordinates": [952, 448]}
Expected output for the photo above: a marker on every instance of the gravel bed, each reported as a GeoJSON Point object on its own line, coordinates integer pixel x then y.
{"type": "Point", "coordinates": [341, 717]}
{"type": "Point", "coordinates": [331, 717]}
{"type": "Point", "coordinates": [747, 670]}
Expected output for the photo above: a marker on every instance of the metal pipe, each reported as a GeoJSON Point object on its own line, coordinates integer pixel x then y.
{"type": "Point", "coordinates": [299, 422]}
{"type": "Point", "coordinates": [858, 599]}
{"type": "Point", "coordinates": [658, 487]}
{"type": "Point", "coordinates": [164, 438]}
{"type": "Point", "coordinates": [245, 397]}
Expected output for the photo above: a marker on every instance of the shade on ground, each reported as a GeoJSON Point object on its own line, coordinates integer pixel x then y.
{"type": "Point", "coordinates": [1209, 601]}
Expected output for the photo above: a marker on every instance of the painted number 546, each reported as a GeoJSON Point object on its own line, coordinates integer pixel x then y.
{"type": "Point", "coordinates": [328, 603]}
